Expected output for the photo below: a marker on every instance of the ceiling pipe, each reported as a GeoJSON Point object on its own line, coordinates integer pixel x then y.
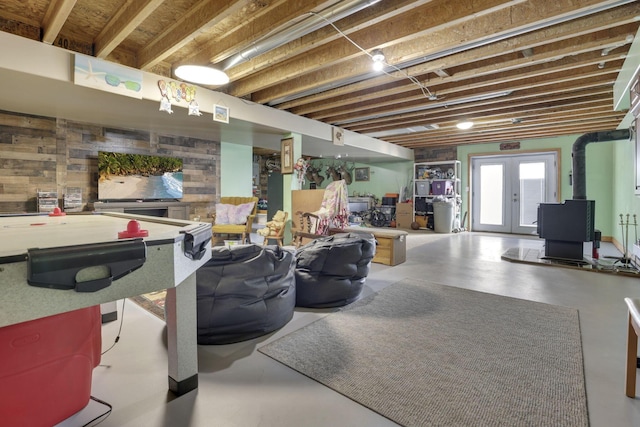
{"type": "Point", "coordinates": [579, 161]}
{"type": "Point", "coordinates": [314, 22]}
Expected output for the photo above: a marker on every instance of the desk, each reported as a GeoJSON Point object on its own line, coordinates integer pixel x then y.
{"type": "Point", "coordinates": [165, 266]}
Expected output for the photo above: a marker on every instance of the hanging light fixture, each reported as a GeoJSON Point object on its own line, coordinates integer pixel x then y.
{"type": "Point", "coordinates": [203, 75]}
{"type": "Point", "coordinates": [467, 124]}
{"type": "Point", "coordinates": [378, 59]}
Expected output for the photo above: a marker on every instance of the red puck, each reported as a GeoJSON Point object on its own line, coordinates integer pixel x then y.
{"type": "Point", "coordinates": [57, 212]}
{"type": "Point", "coordinates": [133, 230]}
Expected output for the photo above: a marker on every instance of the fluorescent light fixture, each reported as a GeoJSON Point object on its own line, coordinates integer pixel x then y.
{"type": "Point", "coordinates": [465, 125]}
{"type": "Point", "coordinates": [201, 75]}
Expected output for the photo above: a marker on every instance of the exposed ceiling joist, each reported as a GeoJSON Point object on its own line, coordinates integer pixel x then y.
{"type": "Point", "coordinates": [453, 61]}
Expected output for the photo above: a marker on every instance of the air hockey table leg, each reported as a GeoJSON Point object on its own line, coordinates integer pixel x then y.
{"type": "Point", "coordinates": [181, 318]}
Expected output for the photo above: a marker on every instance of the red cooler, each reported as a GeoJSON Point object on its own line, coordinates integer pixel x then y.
{"type": "Point", "coordinates": [46, 367]}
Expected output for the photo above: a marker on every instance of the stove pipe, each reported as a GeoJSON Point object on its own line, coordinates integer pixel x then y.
{"type": "Point", "coordinates": [578, 155]}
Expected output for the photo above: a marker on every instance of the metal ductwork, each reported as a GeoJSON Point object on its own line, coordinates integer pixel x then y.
{"type": "Point", "coordinates": [579, 162]}
{"type": "Point", "coordinates": [312, 23]}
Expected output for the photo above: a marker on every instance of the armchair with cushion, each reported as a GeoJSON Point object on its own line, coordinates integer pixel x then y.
{"type": "Point", "coordinates": [235, 215]}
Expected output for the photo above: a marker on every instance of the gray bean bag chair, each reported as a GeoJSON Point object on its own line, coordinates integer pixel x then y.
{"type": "Point", "coordinates": [331, 271]}
{"type": "Point", "coordinates": [244, 292]}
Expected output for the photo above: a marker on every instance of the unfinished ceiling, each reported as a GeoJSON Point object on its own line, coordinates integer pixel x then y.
{"type": "Point", "coordinates": [518, 69]}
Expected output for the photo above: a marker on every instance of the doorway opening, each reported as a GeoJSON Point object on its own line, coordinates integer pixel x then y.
{"type": "Point", "coordinates": [507, 189]}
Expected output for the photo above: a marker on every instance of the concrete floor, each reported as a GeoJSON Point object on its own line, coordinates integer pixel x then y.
{"type": "Point", "coordinates": [239, 386]}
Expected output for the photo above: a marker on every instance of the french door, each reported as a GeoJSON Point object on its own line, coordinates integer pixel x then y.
{"type": "Point", "coordinates": [506, 191]}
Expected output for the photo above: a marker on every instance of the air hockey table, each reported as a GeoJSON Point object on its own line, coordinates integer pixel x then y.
{"type": "Point", "coordinates": [55, 264]}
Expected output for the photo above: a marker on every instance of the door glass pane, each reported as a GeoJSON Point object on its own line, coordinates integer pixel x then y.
{"type": "Point", "coordinates": [491, 186]}
{"type": "Point", "coordinates": [532, 192]}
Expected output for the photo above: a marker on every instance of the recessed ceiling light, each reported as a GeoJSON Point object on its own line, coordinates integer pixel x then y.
{"type": "Point", "coordinates": [464, 125]}
{"type": "Point", "coordinates": [202, 75]}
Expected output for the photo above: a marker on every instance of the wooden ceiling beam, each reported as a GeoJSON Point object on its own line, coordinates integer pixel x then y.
{"type": "Point", "coordinates": [125, 21]}
{"type": "Point", "coordinates": [300, 74]}
{"type": "Point", "coordinates": [236, 33]}
{"type": "Point", "coordinates": [274, 20]}
{"type": "Point", "coordinates": [54, 19]}
{"type": "Point", "coordinates": [459, 50]}
{"type": "Point", "coordinates": [203, 15]}
{"type": "Point", "coordinates": [450, 86]}
{"type": "Point", "coordinates": [359, 21]}
{"type": "Point", "coordinates": [623, 15]}
{"type": "Point", "coordinates": [527, 115]}
{"type": "Point", "coordinates": [488, 137]}
{"type": "Point", "coordinates": [596, 91]}
{"type": "Point", "coordinates": [434, 15]}
{"type": "Point", "coordinates": [499, 123]}
{"type": "Point", "coordinates": [554, 83]}
{"type": "Point", "coordinates": [524, 113]}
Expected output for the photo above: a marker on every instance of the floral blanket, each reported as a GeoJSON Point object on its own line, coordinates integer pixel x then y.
{"type": "Point", "coordinates": [334, 211]}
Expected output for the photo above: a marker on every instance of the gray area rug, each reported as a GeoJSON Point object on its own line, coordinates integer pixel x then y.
{"type": "Point", "coordinates": [423, 354]}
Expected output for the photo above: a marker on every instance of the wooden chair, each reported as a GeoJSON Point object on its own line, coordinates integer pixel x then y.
{"type": "Point", "coordinates": [632, 345]}
{"type": "Point", "coordinates": [307, 228]}
{"type": "Point", "coordinates": [277, 235]}
{"type": "Point", "coordinates": [333, 213]}
{"type": "Point", "coordinates": [242, 229]}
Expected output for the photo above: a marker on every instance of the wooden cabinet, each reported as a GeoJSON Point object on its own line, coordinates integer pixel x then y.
{"type": "Point", "coordinates": [390, 249]}
{"type": "Point", "coordinates": [391, 245]}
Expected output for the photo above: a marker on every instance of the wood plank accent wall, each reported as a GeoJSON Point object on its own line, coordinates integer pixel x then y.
{"type": "Point", "coordinates": [429, 154]}
{"type": "Point", "coordinates": [53, 154]}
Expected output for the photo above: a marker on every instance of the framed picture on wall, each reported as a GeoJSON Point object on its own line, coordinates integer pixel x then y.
{"type": "Point", "coordinates": [286, 155]}
{"type": "Point", "coordinates": [220, 113]}
{"type": "Point", "coordinates": [362, 174]}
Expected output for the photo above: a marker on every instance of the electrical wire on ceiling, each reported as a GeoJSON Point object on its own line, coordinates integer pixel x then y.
{"type": "Point", "coordinates": [425, 90]}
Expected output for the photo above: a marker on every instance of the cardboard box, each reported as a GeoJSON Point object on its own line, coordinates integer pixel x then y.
{"type": "Point", "coordinates": [404, 215]}
{"type": "Point", "coordinates": [404, 208]}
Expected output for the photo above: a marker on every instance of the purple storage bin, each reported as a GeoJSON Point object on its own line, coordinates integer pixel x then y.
{"type": "Point", "coordinates": [442, 187]}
